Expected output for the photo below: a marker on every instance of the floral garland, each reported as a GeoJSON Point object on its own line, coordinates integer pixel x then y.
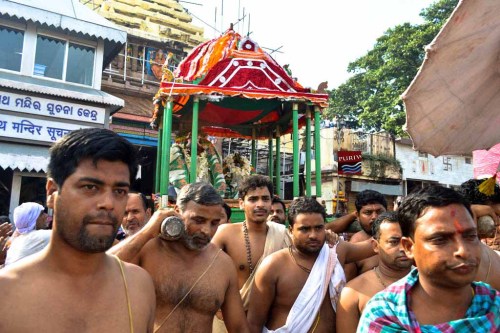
{"type": "Point", "coordinates": [208, 166]}
{"type": "Point", "coordinates": [236, 168]}
{"type": "Point", "coordinates": [202, 168]}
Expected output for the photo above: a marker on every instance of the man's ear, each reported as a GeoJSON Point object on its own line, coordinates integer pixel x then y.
{"type": "Point", "coordinates": [177, 209]}
{"type": "Point", "coordinates": [51, 189]}
{"type": "Point", "coordinates": [148, 213]}
{"type": "Point", "coordinates": [375, 245]}
{"type": "Point", "coordinates": [242, 203]}
{"type": "Point", "coordinates": [407, 244]}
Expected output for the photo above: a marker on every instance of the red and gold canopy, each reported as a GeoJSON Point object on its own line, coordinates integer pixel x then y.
{"type": "Point", "coordinates": [243, 92]}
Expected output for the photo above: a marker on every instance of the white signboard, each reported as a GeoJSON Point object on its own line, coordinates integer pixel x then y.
{"type": "Point", "coordinates": [51, 108]}
{"type": "Point", "coordinates": [34, 129]}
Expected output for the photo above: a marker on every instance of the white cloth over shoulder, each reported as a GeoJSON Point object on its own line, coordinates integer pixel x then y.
{"type": "Point", "coordinates": [27, 244]}
{"type": "Point", "coordinates": [326, 274]}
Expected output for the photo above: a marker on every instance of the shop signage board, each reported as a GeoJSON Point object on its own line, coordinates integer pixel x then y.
{"type": "Point", "coordinates": [24, 127]}
{"type": "Point", "coordinates": [349, 162]}
{"type": "Point", "coordinates": [51, 108]}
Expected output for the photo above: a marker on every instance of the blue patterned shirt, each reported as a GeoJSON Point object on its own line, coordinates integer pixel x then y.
{"type": "Point", "coordinates": [388, 311]}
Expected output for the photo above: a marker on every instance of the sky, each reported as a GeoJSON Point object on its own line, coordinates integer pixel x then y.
{"type": "Point", "coordinates": [317, 38]}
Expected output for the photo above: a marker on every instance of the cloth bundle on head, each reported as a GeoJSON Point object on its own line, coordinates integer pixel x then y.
{"type": "Point", "coordinates": [25, 216]}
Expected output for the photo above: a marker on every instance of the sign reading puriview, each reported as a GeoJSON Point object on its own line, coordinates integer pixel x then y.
{"type": "Point", "coordinates": [349, 162]}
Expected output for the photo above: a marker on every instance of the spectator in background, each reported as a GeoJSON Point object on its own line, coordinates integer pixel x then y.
{"type": "Point", "coordinates": [29, 219]}
{"type": "Point", "coordinates": [226, 213]}
{"type": "Point", "coordinates": [486, 207]}
{"type": "Point", "coordinates": [277, 213]}
{"type": "Point", "coordinates": [137, 213]}
{"type": "Point", "coordinates": [393, 265]}
{"type": "Point", "coordinates": [5, 233]}
{"type": "Point", "coordinates": [369, 205]}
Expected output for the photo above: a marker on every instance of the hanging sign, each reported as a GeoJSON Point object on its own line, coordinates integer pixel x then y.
{"type": "Point", "coordinates": [349, 162]}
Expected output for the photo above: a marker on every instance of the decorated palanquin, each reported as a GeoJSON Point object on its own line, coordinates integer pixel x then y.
{"type": "Point", "coordinates": [229, 87]}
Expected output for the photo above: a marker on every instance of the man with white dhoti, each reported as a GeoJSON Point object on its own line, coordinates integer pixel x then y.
{"type": "Point", "coordinates": [296, 289]}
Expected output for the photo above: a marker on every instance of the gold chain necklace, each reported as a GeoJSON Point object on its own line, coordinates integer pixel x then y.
{"type": "Point", "coordinates": [376, 269]}
{"type": "Point", "coordinates": [247, 246]}
{"type": "Point", "coordinates": [305, 269]}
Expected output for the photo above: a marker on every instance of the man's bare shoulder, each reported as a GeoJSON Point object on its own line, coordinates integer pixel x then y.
{"type": "Point", "coordinates": [275, 260]}
{"type": "Point", "coordinates": [137, 273]}
{"type": "Point", "coordinates": [363, 282]}
{"type": "Point", "coordinates": [225, 233]}
{"type": "Point", "coordinates": [228, 228]}
{"type": "Point", "coordinates": [21, 269]}
{"type": "Point", "coordinates": [359, 237]}
{"type": "Point", "coordinates": [20, 281]}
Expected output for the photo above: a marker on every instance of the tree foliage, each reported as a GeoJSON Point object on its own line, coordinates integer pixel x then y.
{"type": "Point", "coordinates": [370, 98]}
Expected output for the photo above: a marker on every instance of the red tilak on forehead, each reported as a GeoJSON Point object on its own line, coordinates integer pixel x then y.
{"type": "Point", "coordinates": [458, 227]}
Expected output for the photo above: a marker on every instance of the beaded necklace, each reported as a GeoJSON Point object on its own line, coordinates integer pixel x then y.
{"type": "Point", "coordinates": [247, 247]}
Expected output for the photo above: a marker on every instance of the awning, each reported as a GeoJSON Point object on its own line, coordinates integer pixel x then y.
{"type": "Point", "coordinates": [68, 15]}
{"type": "Point", "coordinates": [23, 157]}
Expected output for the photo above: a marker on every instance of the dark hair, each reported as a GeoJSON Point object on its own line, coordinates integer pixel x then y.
{"type": "Point", "coordinates": [201, 193]}
{"type": "Point", "coordinates": [278, 200]}
{"type": "Point", "coordinates": [89, 143]}
{"type": "Point", "coordinates": [415, 203]}
{"type": "Point", "coordinates": [368, 197]}
{"type": "Point", "coordinates": [144, 200]}
{"type": "Point", "coordinates": [470, 190]}
{"type": "Point", "coordinates": [389, 217]}
{"type": "Point", "coordinates": [4, 218]}
{"type": "Point", "coordinates": [227, 209]}
{"type": "Point", "coordinates": [253, 182]}
{"type": "Point", "coordinates": [304, 205]}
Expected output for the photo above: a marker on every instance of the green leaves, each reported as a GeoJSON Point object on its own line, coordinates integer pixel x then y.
{"type": "Point", "coordinates": [370, 99]}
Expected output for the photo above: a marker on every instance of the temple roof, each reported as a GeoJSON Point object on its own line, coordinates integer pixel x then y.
{"type": "Point", "coordinates": [157, 20]}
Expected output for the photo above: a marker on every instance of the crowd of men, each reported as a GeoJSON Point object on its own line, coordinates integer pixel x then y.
{"type": "Point", "coordinates": [420, 269]}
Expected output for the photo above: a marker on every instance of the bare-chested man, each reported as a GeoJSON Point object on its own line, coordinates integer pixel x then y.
{"type": "Point", "coordinates": [369, 205]}
{"type": "Point", "coordinates": [290, 286]}
{"type": "Point", "coordinates": [73, 285]}
{"type": "Point", "coordinates": [193, 278]}
{"type": "Point", "coordinates": [393, 265]}
{"type": "Point", "coordinates": [245, 242]}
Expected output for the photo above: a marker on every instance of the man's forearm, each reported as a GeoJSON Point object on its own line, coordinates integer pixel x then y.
{"type": "Point", "coordinates": [342, 223]}
{"type": "Point", "coordinates": [128, 249]}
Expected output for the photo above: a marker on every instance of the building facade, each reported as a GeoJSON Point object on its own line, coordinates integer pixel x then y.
{"type": "Point", "coordinates": [422, 169]}
{"type": "Point", "coordinates": [51, 64]}
{"type": "Point", "coordinates": [158, 32]}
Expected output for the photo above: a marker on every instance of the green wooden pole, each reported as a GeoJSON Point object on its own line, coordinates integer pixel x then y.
{"type": "Point", "coordinates": [194, 140]}
{"type": "Point", "coordinates": [165, 154]}
{"type": "Point", "coordinates": [308, 153]}
{"type": "Point", "coordinates": [317, 150]}
{"type": "Point", "coordinates": [278, 165]}
{"type": "Point", "coordinates": [158, 161]}
{"type": "Point", "coordinates": [254, 151]}
{"type": "Point", "coordinates": [270, 158]}
{"type": "Point", "coordinates": [296, 156]}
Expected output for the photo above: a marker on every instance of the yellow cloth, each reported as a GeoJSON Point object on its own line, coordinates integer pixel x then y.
{"type": "Point", "coordinates": [277, 238]}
